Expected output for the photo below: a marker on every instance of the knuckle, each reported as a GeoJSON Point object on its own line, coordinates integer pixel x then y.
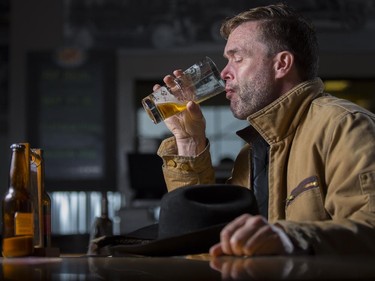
{"type": "Point", "coordinates": [257, 220]}
{"type": "Point", "coordinates": [225, 234]}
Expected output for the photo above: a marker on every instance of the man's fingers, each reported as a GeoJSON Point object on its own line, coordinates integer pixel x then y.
{"type": "Point", "coordinates": [216, 250]}
{"type": "Point", "coordinates": [229, 244]}
{"type": "Point", "coordinates": [194, 111]}
{"type": "Point", "coordinates": [169, 81]}
{"type": "Point", "coordinates": [177, 73]}
{"type": "Point", "coordinates": [156, 86]}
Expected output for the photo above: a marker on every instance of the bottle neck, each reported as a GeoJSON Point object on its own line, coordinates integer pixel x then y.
{"type": "Point", "coordinates": [104, 211]}
{"type": "Point", "coordinates": [18, 169]}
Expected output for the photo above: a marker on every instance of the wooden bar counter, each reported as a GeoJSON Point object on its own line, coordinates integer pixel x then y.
{"type": "Point", "coordinates": [198, 267]}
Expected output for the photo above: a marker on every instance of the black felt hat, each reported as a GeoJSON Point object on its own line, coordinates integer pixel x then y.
{"type": "Point", "coordinates": [190, 222]}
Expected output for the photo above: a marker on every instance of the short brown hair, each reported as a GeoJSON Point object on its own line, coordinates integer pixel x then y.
{"type": "Point", "coordinates": [282, 29]}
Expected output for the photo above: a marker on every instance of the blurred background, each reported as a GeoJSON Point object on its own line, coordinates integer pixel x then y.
{"type": "Point", "coordinates": [73, 73]}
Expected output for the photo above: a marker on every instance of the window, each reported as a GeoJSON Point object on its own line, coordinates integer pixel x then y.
{"type": "Point", "coordinates": [221, 131]}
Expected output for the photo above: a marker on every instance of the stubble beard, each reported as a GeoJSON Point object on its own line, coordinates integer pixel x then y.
{"type": "Point", "coordinates": [252, 96]}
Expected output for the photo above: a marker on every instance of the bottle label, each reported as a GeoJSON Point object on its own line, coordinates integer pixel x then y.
{"type": "Point", "coordinates": [23, 224]}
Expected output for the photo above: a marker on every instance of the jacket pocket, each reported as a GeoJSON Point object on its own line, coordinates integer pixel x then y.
{"type": "Point", "coordinates": [305, 202]}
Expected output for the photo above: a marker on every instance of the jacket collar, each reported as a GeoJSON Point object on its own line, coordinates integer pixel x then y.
{"type": "Point", "coordinates": [281, 117]}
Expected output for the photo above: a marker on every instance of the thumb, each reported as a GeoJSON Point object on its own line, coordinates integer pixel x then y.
{"type": "Point", "coordinates": [194, 111]}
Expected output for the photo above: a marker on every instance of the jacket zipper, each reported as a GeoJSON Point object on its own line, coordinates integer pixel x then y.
{"type": "Point", "coordinates": [303, 186]}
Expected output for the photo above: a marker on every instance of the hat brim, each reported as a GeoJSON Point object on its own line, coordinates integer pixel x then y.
{"type": "Point", "coordinates": [138, 243]}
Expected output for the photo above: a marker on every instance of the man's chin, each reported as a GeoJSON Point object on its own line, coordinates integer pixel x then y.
{"type": "Point", "coordinates": [237, 114]}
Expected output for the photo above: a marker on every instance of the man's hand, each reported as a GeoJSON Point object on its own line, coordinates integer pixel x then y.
{"type": "Point", "coordinates": [189, 126]}
{"type": "Point", "coordinates": [251, 235]}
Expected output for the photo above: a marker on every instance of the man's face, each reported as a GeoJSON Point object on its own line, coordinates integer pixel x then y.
{"type": "Point", "coordinates": [249, 73]}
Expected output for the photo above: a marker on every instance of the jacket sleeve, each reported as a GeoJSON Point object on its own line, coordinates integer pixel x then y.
{"type": "Point", "coordinates": [183, 171]}
{"type": "Point", "coordinates": [337, 237]}
{"type": "Point", "coordinates": [348, 192]}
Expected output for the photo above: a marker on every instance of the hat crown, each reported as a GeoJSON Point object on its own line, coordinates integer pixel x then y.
{"type": "Point", "coordinates": [193, 208]}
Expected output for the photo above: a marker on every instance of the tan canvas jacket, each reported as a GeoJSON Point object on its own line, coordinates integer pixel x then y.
{"type": "Point", "coordinates": [321, 169]}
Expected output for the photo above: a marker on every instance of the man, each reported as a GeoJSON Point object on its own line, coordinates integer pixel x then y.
{"type": "Point", "coordinates": [316, 188]}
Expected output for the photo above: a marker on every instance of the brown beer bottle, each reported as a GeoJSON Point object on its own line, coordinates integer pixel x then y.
{"type": "Point", "coordinates": [46, 207]}
{"type": "Point", "coordinates": [43, 201]}
{"type": "Point", "coordinates": [17, 207]}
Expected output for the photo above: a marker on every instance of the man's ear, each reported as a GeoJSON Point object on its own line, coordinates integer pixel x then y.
{"type": "Point", "coordinates": [283, 63]}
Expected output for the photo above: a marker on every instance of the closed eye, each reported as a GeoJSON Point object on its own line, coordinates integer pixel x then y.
{"type": "Point", "coordinates": [238, 59]}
